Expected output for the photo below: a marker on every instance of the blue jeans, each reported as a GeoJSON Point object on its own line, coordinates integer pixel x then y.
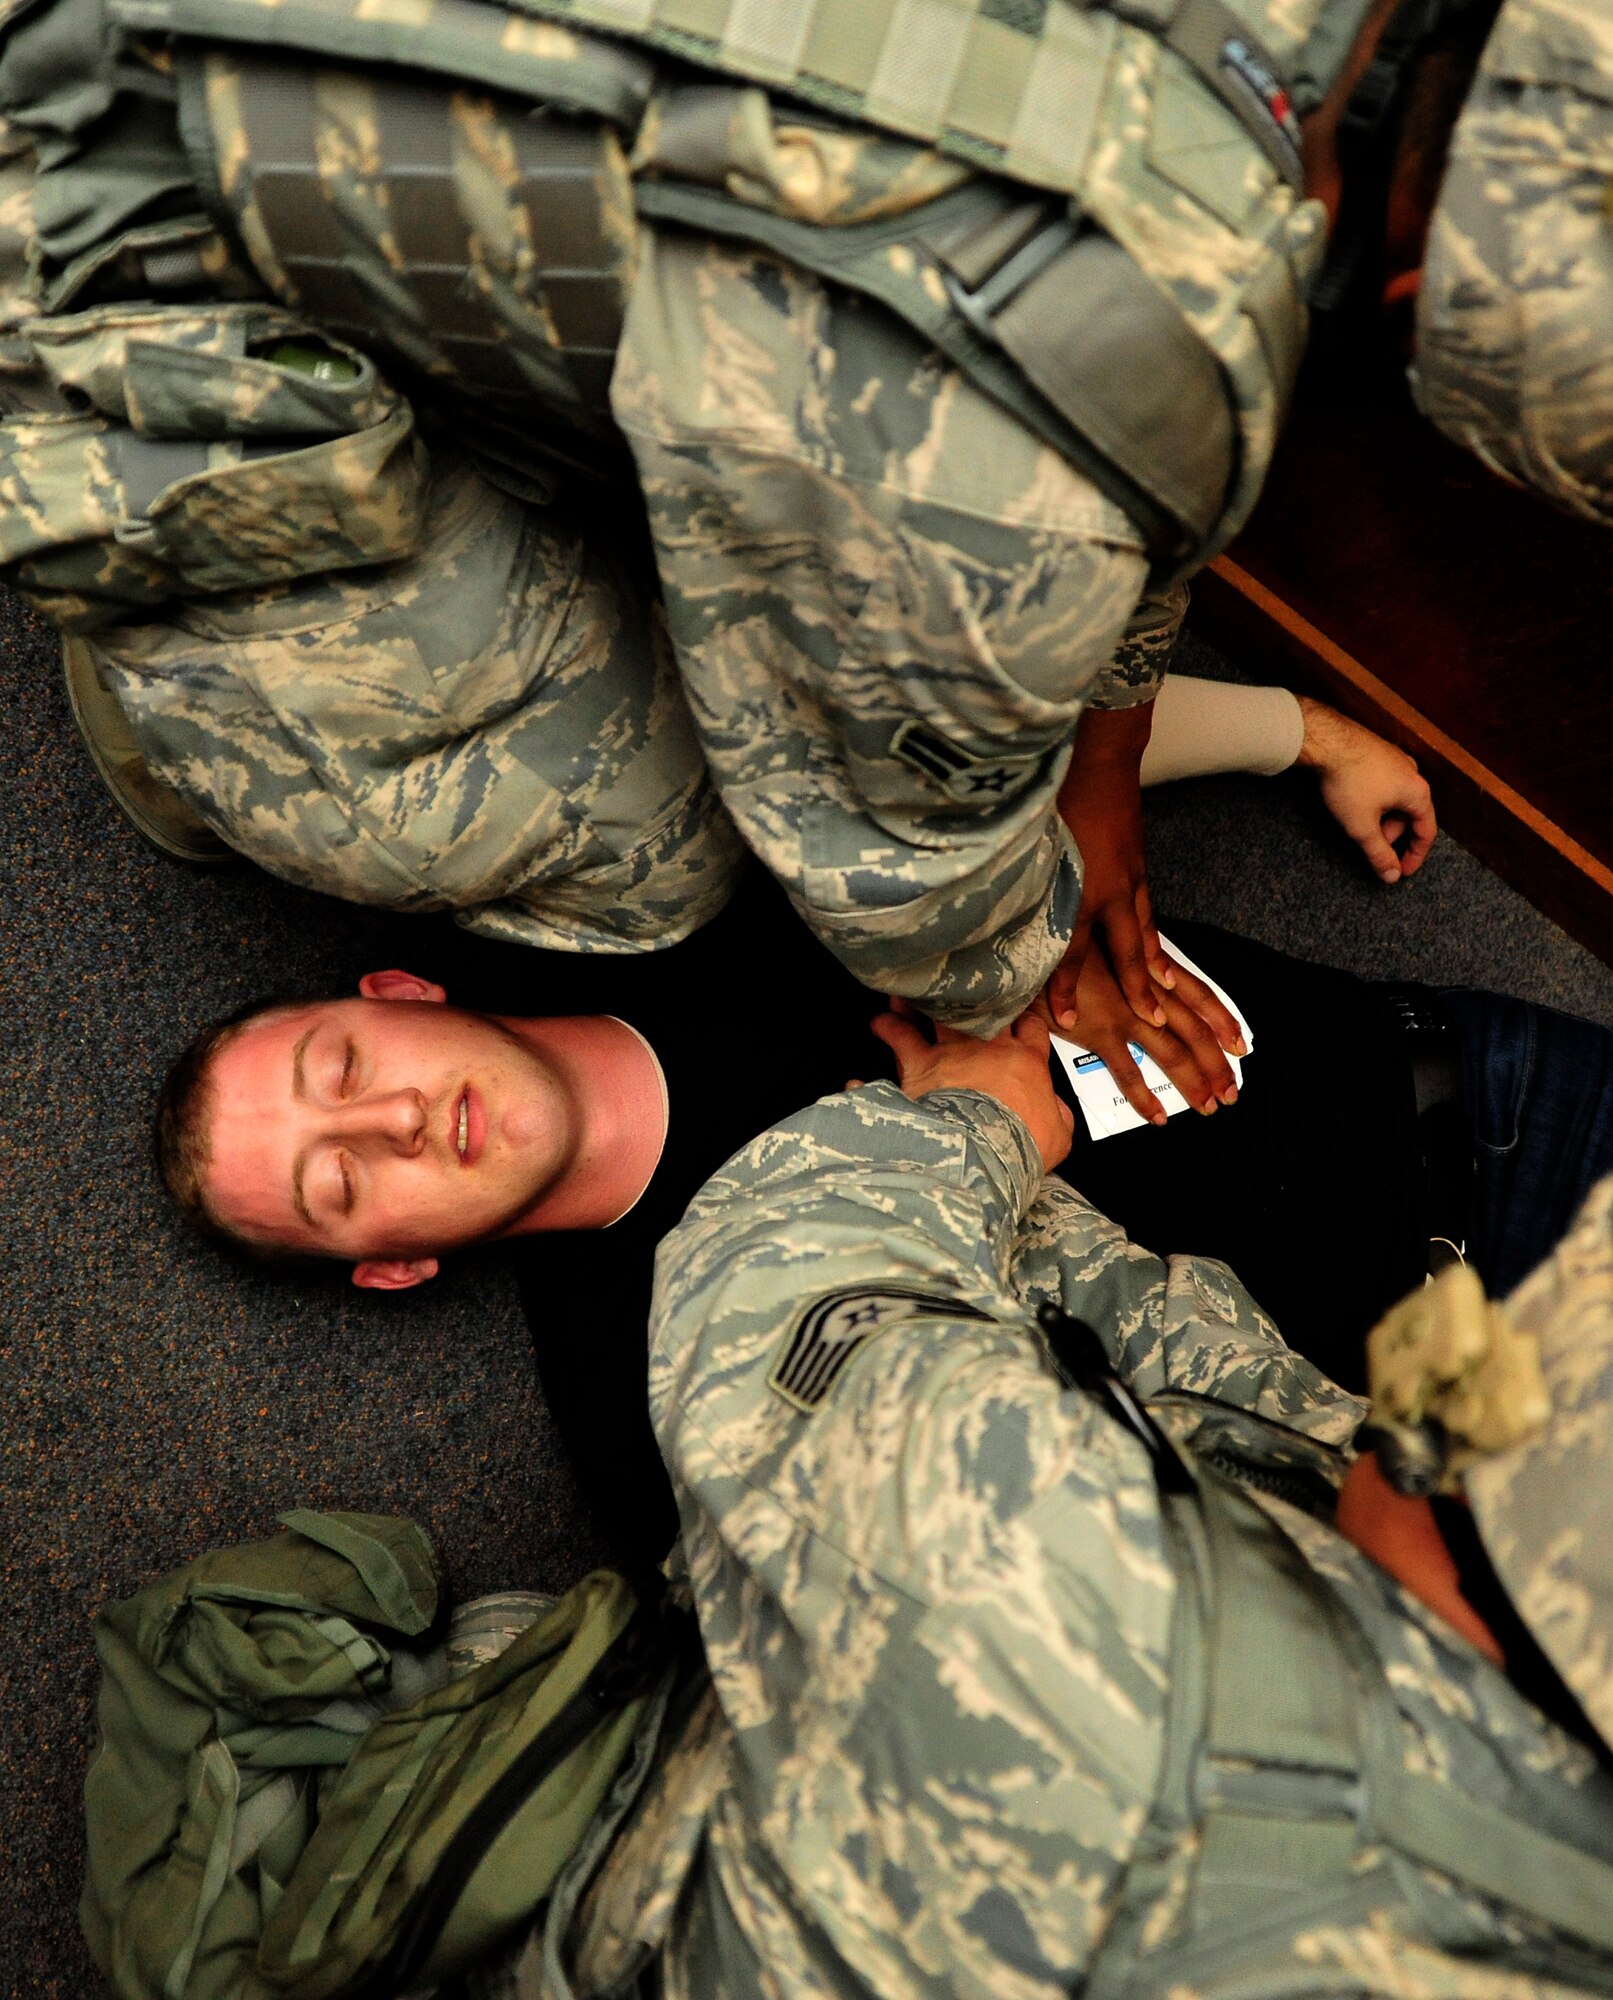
{"type": "Point", "coordinates": [1539, 1088]}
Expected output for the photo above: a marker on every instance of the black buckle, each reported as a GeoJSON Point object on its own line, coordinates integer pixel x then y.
{"type": "Point", "coordinates": [982, 305]}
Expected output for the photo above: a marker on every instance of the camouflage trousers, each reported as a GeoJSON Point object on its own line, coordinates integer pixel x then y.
{"type": "Point", "coordinates": [889, 604]}
{"type": "Point", "coordinates": [1515, 317]}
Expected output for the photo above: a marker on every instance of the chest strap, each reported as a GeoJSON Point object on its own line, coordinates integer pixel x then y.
{"type": "Point", "coordinates": [1296, 1764]}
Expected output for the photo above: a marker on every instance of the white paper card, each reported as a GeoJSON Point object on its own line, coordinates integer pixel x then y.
{"type": "Point", "coordinates": [1102, 1104]}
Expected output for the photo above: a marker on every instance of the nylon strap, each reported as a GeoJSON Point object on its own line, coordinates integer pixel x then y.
{"type": "Point", "coordinates": [555, 342]}
{"type": "Point", "coordinates": [379, 1569]}
{"type": "Point", "coordinates": [1302, 1763]}
{"type": "Point", "coordinates": [457, 38]}
{"type": "Point", "coordinates": [1049, 347]}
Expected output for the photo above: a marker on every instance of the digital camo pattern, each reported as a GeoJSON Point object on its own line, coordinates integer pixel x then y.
{"type": "Point", "coordinates": [1542, 1508]}
{"type": "Point", "coordinates": [1515, 314]}
{"type": "Point", "coordinates": [831, 590]}
{"type": "Point", "coordinates": [937, 1613]}
{"type": "Point", "coordinates": [855, 543]}
{"type": "Point", "coordinates": [492, 727]}
{"type": "Point", "coordinates": [182, 459]}
{"type": "Point", "coordinates": [848, 544]}
{"type": "Point", "coordinates": [23, 385]}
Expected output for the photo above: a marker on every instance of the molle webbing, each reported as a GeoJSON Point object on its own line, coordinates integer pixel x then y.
{"type": "Point", "coordinates": [1286, 1753]}
{"type": "Point", "coordinates": [410, 265]}
{"type": "Point", "coordinates": [1053, 320]}
{"type": "Point", "coordinates": [987, 81]}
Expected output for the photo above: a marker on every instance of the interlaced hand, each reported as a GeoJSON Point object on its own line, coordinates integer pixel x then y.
{"type": "Point", "coordinates": [1011, 1067]}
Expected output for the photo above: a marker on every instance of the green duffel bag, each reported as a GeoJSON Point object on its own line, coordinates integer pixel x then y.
{"type": "Point", "coordinates": [293, 1796]}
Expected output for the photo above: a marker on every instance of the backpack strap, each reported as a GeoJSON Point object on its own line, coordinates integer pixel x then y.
{"type": "Point", "coordinates": [1284, 1756]}
{"type": "Point", "coordinates": [654, 1643]}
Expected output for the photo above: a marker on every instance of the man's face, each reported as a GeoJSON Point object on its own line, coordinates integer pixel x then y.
{"type": "Point", "coordinates": [387, 1128]}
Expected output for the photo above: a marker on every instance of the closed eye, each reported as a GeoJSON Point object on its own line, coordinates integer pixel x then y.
{"type": "Point", "coordinates": [346, 1167]}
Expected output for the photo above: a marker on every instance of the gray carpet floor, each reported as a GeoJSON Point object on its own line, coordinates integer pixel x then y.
{"type": "Point", "coordinates": [155, 1402]}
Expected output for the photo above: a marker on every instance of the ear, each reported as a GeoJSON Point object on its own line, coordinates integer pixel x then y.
{"type": "Point", "coordinates": [394, 1274]}
{"type": "Point", "coordinates": [400, 986]}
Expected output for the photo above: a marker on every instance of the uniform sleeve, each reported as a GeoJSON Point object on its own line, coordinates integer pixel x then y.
{"type": "Point", "coordinates": [932, 1583]}
{"type": "Point", "coordinates": [1134, 674]}
{"type": "Point", "coordinates": [1174, 1327]}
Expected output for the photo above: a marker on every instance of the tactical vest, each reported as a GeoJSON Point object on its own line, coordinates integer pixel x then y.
{"type": "Point", "coordinates": [1287, 1783]}
{"type": "Point", "coordinates": [1287, 1757]}
{"type": "Point", "coordinates": [1123, 264]}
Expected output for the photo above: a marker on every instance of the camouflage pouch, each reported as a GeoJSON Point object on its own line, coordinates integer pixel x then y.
{"type": "Point", "coordinates": [197, 450]}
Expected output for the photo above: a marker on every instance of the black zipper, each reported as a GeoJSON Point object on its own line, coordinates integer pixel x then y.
{"type": "Point", "coordinates": [624, 1671]}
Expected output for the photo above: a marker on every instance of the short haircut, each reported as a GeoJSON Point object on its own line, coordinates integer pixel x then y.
{"type": "Point", "coordinates": [180, 1136]}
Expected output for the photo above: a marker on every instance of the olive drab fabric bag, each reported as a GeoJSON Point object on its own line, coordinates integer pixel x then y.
{"type": "Point", "coordinates": [292, 1795]}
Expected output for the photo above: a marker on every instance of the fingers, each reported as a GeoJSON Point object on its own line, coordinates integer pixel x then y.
{"type": "Point", "coordinates": [1191, 1057]}
{"type": "Point", "coordinates": [1424, 828]}
{"type": "Point", "coordinates": [902, 1039]}
{"type": "Point", "coordinates": [1161, 966]}
{"type": "Point", "coordinates": [1061, 992]}
{"type": "Point", "coordinates": [1202, 1004]}
{"type": "Point", "coordinates": [1128, 954]}
{"type": "Point", "coordinates": [1381, 857]}
{"type": "Point", "coordinates": [1129, 1079]}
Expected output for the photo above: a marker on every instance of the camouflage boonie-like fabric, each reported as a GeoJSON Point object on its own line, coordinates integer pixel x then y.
{"type": "Point", "coordinates": [937, 1600]}
{"type": "Point", "coordinates": [1542, 1508]}
{"type": "Point", "coordinates": [170, 453]}
{"type": "Point", "coordinates": [492, 726]}
{"type": "Point", "coordinates": [1515, 315]}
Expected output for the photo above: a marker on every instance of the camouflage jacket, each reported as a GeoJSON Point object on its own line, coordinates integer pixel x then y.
{"type": "Point", "coordinates": [936, 1596]}
{"type": "Point", "coordinates": [1513, 356]}
{"type": "Point", "coordinates": [491, 726]}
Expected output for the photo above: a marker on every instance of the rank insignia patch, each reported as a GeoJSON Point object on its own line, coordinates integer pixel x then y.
{"type": "Point", "coordinates": [963, 774]}
{"type": "Point", "coordinates": [833, 1328]}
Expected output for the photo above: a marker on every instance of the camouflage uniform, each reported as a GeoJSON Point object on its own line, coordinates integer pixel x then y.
{"type": "Point", "coordinates": [953, 1623]}
{"type": "Point", "coordinates": [375, 673]}
{"type": "Point", "coordinates": [492, 725]}
{"type": "Point", "coordinates": [890, 599]}
{"type": "Point", "coordinates": [1515, 314]}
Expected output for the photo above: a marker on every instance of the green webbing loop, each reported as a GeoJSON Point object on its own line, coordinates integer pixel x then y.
{"type": "Point", "coordinates": [379, 1569]}
{"type": "Point", "coordinates": [1297, 1704]}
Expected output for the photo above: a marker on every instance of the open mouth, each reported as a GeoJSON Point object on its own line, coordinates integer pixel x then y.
{"type": "Point", "coordinates": [467, 1126]}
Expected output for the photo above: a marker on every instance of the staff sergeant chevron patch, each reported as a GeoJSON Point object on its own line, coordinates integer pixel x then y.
{"type": "Point", "coordinates": [832, 1329]}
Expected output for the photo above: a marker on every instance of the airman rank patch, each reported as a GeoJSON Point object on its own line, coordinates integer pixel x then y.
{"type": "Point", "coordinates": [832, 1329]}
{"type": "Point", "coordinates": [963, 774]}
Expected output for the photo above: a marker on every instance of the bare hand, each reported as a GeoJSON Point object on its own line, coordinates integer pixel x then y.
{"type": "Point", "coordinates": [1012, 1067]}
{"type": "Point", "coordinates": [1372, 789]}
{"type": "Point", "coordinates": [1186, 1048]}
{"type": "Point", "coordinates": [1100, 802]}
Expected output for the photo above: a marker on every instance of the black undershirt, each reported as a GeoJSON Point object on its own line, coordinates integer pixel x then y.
{"type": "Point", "coordinates": [1308, 1187]}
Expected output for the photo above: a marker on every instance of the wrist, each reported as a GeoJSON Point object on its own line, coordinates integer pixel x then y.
{"type": "Point", "coordinates": [1112, 738]}
{"type": "Point", "coordinates": [1321, 733]}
